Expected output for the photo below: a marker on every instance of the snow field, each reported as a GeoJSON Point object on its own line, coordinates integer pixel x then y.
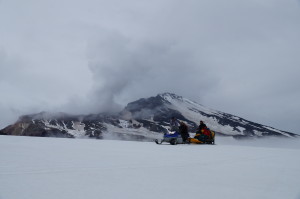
{"type": "Point", "coordinates": [47, 168]}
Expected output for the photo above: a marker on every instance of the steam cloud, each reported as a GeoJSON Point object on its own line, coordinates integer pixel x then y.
{"type": "Point", "coordinates": [122, 66]}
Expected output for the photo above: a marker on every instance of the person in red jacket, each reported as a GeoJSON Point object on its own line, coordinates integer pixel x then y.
{"type": "Point", "coordinates": [203, 133]}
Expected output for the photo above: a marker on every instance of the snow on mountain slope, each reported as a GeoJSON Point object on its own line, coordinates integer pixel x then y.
{"type": "Point", "coordinates": [192, 111]}
{"type": "Point", "coordinates": [47, 168]}
{"type": "Point", "coordinates": [166, 105]}
{"type": "Point", "coordinates": [196, 112]}
{"type": "Point", "coordinates": [126, 133]}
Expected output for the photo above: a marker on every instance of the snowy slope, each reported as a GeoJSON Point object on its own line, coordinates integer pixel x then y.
{"type": "Point", "coordinates": [196, 112]}
{"type": "Point", "coordinates": [47, 168]}
{"type": "Point", "coordinates": [166, 105]}
{"type": "Point", "coordinates": [192, 111]}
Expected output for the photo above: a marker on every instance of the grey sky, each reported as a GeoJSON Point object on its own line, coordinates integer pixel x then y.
{"type": "Point", "coordinates": [240, 57]}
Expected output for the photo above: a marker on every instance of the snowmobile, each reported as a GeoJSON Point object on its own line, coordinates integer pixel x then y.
{"type": "Point", "coordinates": [175, 138]}
{"type": "Point", "coordinates": [171, 137]}
{"type": "Point", "coordinates": [206, 137]}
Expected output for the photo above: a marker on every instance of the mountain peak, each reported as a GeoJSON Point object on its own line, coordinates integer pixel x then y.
{"type": "Point", "coordinates": [166, 105]}
{"type": "Point", "coordinates": [168, 96]}
{"type": "Point", "coordinates": [150, 103]}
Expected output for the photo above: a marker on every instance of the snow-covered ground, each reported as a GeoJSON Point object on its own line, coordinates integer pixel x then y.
{"type": "Point", "coordinates": [57, 168]}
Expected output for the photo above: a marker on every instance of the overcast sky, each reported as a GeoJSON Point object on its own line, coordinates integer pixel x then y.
{"type": "Point", "coordinates": [87, 56]}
